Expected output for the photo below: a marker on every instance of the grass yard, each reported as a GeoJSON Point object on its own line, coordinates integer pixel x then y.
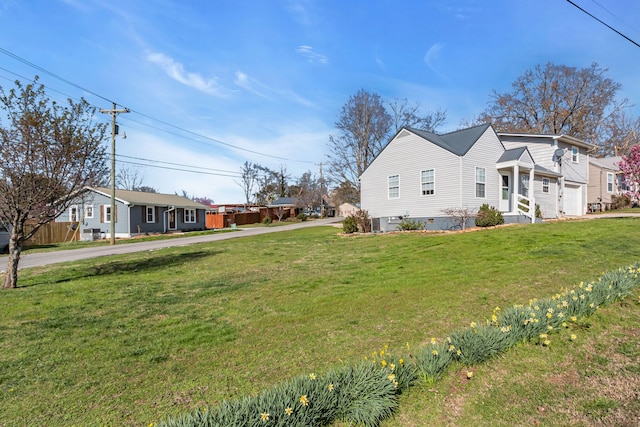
{"type": "Point", "coordinates": [130, 340]}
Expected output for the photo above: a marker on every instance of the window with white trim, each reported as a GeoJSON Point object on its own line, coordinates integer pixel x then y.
{"type": "Point", "coordinates": [524, 185]}
{"type": "Point", "coordinates": [609, 182]}
{"type": "Point", "coordinates": [189, 215]}
{"type": "Point", "coordinates": [150, 214]}
{"type": "Point", "coordinates": [88, 211]}
{"type": "Point", "coordinates": [428, 181]}
{"type": "Point", "coordinates": [481, 178]}
{"type": "Point", "coordinates": [394, 186]}
{"type": "Point", "coordinates": [575, 154]}
{"type": "Point", "coordinates": [106, 213]}
{"type": "Point", "coordinates": [545, 185]}
{"type": "Point", "coordinates": [73, 213]}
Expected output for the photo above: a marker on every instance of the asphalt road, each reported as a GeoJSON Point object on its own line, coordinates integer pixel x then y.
{"type": "Point", "coordinates": [46, 258]}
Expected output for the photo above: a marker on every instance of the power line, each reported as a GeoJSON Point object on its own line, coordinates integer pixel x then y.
{"type": "Point", "coordinates": [178, 169]}
{"type": "Point", "coordinates": [217, 141]}
{"type": "Point", "coordinates": [604, 23]}
{"type": "Point", "coordinates": [178, 164]}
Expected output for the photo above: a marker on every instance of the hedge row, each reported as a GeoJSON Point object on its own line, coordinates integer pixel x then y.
{"type": "Point", "coordinates": [366, 393]}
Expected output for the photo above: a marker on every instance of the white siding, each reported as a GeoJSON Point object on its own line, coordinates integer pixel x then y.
{"type": "Point", "coordinates": [484, 154]}
{"type": "Point", "coordinates": [548, 201]}
{"type": "Point", "coordinates": [407, 156]}
{"type": "Point", "coordinates": [455, 181]}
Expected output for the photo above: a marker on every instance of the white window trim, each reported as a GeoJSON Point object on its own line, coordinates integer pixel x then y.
{"type": "Point", "coordinates": [433, 182]}
{"type": "Point", "coordinates": [88, 211]}
{"type": "Point", "coordinates": [575, 154]}
{"type": "Point", "coordinates": [484, 182]}
{"type": "Point", "coordinates": [546, 184]}
{"type": "Point", "coordinates": [188, 217]}
{"type": "Point", "coordinates": [610, 182]}
{"type": "Point", "coordinates": [396, 186]}
{"type": "Point", "coordinates": [153, 214]}
{"type": "Point", "coordinates": [106, 213]}
{"type": "Point", "coordinates": [71, 209]}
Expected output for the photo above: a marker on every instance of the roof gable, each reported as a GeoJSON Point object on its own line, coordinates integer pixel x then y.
{"type": "Point", "coordinates": [458, 142]}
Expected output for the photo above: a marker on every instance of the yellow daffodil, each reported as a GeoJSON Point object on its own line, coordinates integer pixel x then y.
{"type": "Point", "coordinates": [330, 387]}
{"type": "Point", "coordinates": [264, 416]}
{"type": "Point", "coordinates": [288, 411]}
{"type": "Point", "coordinates": [312, 376]}
{"type": "Point", "coordinates": [304, 400]}
{"type": "Point", "coordinates": [469, 374]}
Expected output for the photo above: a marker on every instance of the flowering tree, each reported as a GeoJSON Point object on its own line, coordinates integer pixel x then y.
{"type": "Point", "coordinates": [630, 167]}
{"type": "Point", "coordinates": [49, 153]}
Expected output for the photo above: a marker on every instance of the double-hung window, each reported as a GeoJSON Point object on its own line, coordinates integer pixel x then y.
{"type": "Point", "coordinates": [575, 154]}
{"type": "Point", "coordinates": [427, 181]}
{"type": "Point", "coordinates": [545, 185]}
{"type": "Point", "coordinates": [481, 178]}
{"type": "Point", "coordinates": [73, 213]}
{"type": "Point", "coordinates": [609, 182]}
{"type": "Point", "coordinates": [394, 186]}
{"type": "Point", "coordinates": [150, 214]}
{"type": "Point", "coordinates": [88, 211]}
{"type": "Point", "coordinates": [189, 215]}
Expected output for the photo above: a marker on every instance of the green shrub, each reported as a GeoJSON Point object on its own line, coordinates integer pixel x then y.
{"type": "Point", "coordinates": [478, 343]}
{"type": "Point", "coordinates": [538, 211]}
{"type": "Point", "coordinates": [267, 220]}
{"type": "Point", "coordinates": [302, 216]}
{"type": "Point", "coordinates": [488, 216]}
{"type": "Point", "coordinates": [410, 225]}
{"type": "Point", "coordinates": [350, 224]}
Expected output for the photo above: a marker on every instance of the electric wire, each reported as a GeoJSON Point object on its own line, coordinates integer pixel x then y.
{"type": "Point", "coordinates": [177, 164]}
{"type": "Point", "coordinates": [217, 141]}
{"type": "Point", "coordinates": [179, 169]}
{"type": "Point", "coordinates": [604, 23]}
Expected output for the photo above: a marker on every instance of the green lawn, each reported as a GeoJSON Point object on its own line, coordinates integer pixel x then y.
{"type": "Point", "coordinates": [129, 340]}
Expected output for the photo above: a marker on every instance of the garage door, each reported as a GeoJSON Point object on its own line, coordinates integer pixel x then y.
{"type": "Point", "coordinates": [573, 200]}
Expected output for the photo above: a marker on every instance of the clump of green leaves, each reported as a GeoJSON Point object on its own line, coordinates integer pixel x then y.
{"type": "Point", "coordinates": [410, 225]}
{"type": "Point", "coordinates": [350, 225]}
{"type": "Point", "coordinates": [488, 216]}
{"type": "Point", "coordinates": [267, 220]}
{"type": "Point", "coordinates": [432, 361]}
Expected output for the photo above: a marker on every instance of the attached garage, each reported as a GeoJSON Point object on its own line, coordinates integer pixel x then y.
{"type": "Point", "coordinates": [572, 203]}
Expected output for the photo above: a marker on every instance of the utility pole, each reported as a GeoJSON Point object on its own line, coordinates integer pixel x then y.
{"type": "Point", "coordinates": [114, 112]}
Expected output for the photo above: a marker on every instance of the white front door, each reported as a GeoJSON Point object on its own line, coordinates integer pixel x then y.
{"type": "Point", "coordinates": [505, 192]}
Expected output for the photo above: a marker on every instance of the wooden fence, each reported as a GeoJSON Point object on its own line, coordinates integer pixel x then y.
{"type": "Point", "coordinates": [52, 232]}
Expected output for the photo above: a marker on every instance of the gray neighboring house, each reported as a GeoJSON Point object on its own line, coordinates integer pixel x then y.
{"type": "Point", "coordinates": [4, 236]}
{"type": "Point", "coordinates": [136, 213]}
{"type": "Point", "coordinates": [420, 174]}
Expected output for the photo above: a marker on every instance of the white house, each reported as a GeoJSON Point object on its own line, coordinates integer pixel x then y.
{"type": "Point", "coordinates": [419, 174]}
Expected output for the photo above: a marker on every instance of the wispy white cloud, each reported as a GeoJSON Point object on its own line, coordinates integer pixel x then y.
{"type": "Point", "coordinates": [176, 71]}
{"type": "Point", "coordinates": [249, 84]}
{"type": "Point", "coordinates": [252, 85]}
{"type": "Point", "coordinates": [299, 12]}
{"type": "Point", "coordinates": [432, 58]}
{"type": "Point", "coordinates": [313, 57]}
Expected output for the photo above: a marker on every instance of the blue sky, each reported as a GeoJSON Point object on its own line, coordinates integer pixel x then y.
{"type": "Point", "coordinates": [216, 83]}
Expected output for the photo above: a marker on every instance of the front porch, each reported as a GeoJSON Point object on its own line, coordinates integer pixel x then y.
{"type": "Point", "coordinates": [517, 174]}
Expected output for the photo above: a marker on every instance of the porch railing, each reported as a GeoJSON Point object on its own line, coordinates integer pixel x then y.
{"type": "Point", "coordinates": [526, 206]}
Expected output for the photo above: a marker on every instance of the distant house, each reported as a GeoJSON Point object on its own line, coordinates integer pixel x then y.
{"type": "Point", "coordinates": [419, 175]}
{"type": "Point", "coordinates": [346, 209]}
{"type": "Point", "coordinates": [135, 213]}
{"type": "Point", "coordinates": [284, 207]}
{"type": "Point", "coordinates": [605, 181]}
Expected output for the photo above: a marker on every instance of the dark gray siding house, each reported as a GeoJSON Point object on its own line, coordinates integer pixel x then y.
{"type": "Point", "coordinates": [136, 212]}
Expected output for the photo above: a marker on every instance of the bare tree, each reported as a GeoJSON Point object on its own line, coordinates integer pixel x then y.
{"type": "Point", "coordinates": [49, 154]}
{"type": "Point", "coordinates": [248, 180]}
{"type": "Point", "coordinates": [459, 216]}
{"type": "Point", "coordinates": [404, 114]}
{"type": "Point", "coordinates": [364, 126]}
{"type": "Point", "coordinates": [271, 184]}
{"type": "Point", "coordinates": [345, 193]}
{"type": "Point", "coordinates": [307, 191]}
{"type": "Point", "coordinates": [129, 178]}
{"type": "Point", "coordinates": [557, 99]}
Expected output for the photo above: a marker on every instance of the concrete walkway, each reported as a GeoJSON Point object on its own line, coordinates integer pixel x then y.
{"type": "Point", "coordinates": [46, 258]}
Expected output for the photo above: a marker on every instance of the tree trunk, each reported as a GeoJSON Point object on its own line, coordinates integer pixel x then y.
{"type": "Point", "coordinates": [15, 248]}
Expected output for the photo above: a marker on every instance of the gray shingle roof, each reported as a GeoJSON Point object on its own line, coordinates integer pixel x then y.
{"type": "Point", "coordinates": [153, 199]}
{"type": "Point", "coordinates": [458, 142]}
{"type": "Point", "coordinates": [512, 154]}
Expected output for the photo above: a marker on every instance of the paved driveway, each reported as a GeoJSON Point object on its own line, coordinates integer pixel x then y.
{"type": "Point", "coordinates": [45, 258]}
